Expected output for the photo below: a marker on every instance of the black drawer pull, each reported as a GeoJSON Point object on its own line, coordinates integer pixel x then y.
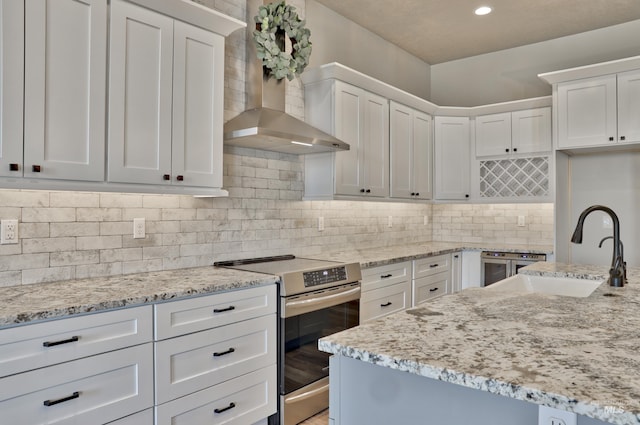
{"type": "Point", "coordinates": [16, 167]}
{"type": "Point", "coordinates": [61, 400]}
{"type": "Point", "coordinates": [224, 409]}
{"type": "Point", "coordinates": [229, 351]}
{"type": "Point", "coordinates": [368, 190]}
{"type": "Point", "coordinates": [36, 168]}
{"type": "Point", "coordinates": [387, 304]}
{"type": "Point", "coordinates": [385, 276]}
{"type": "Point", "coordinates": [433, 289]}
{"type": "Point", "coordinates": [222, 310]}
{"type": "Point", "coordinates": [611, 139]}
{"type": "Point", "coordinates": [64, 341]}
{"type": "Point", "coordinates": [433, 266]}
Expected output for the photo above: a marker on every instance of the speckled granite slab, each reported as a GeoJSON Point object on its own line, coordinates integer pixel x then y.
{"type": "Point", "coordinates": [576, 354]}
{"type": "Point", "coordinates": [26, 303]}
{"type": "Point", "coordinates": [373, 257]}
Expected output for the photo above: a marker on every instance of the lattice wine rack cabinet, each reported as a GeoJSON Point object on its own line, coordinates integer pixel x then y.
{"type": "Point", "coordinates": [514, 178]}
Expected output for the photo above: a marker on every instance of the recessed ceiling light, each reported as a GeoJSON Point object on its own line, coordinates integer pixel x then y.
{"type": "Point", "coordinates": [484, 10]}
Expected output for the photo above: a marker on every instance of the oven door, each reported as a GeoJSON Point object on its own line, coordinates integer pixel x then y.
{"type": "Point", "coordinates": [304, 370]}
{"type": "Point", "coordinates": [518, 264]}
{"type": "Point", "coordinates": [495, 270]}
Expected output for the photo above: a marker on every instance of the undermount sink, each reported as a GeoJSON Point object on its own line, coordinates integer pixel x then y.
{"type": "Point", "coordinates": [564, 286]}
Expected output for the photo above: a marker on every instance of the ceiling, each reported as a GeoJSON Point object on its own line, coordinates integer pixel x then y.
{"type": "Point", "coordinates": [443, 30]}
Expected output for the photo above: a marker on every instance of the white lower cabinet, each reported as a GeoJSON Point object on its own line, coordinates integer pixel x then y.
{"type": "Point", "coordinates": [216, 358]}
{"type": "Point", "coordinates": [240, 401]}
{"type": "Point", "coordinates": [385, 290]}
{"type": "Point", "coordinates": [92, 390]}
{"type": "Point", "coordinates": [431, 278]}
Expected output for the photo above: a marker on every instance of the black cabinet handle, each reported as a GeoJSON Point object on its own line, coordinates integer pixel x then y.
{"type": "Point", "coordinates": [433, 289]}
{"type": "Point", "coordinates": [506, 150]}
{"type": "Point", "coordinates": [368, 191]}
{"type": "Point", "coordinates": [385, 276]}
{"type": "Point", "coordinates": [36, 168]}
{"type": "Point", "coordinates": [456, 256]}
{"type": "Point", "coordinates": [417, 193]}
{"type": "Point", "coordinates": [515, 149]}
{"type": "Point", "coordinates": [466, 196]}
{"type": "Point", "coordinates": [224, 409]}
{"type": "Point", "coordinates": [180, 178]}
{"type": "Point", "coordinates": [64, 341]}
{"type": "Point", "coordinates": [222, 310]}
{"type": "Point", "coordinates": [361, 190]}
{"type": "Point", "coordinates": [611, 139]}
{"type": "Point", "coordinates": [229, 351]}
{"type": "Point", "coordinates": [434, 265]}
{"type": "Point", "coordinates": [61, 400]}
{"type": "Point", "coordinates": [14, 167]}
{"type": "Point", "coordinates": [622, 138]}
{"type": "Point", "coordinates": [387, 304]}
{"type": "Point", "coordinates": [166, 177]}
{"type": "Point", "coordinates": [413, 194]}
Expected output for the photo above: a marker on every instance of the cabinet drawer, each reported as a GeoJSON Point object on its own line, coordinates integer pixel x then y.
{"type": "Point", "coordinates": [43, 344]}
{"type": "Point", "coordinates": [383, 301]}
{"type": "Point", "coordinates": [240, 401]}
{"type": "Point", "coordinates": [427, 288]}
{"type": "Point", "coordinates": [379, 277]}
{"type": "Point", "coordinates": [193, 362]}
{"type": "Point", "coordinates": [94, 390]}
{"type": "Point", "coordinates": [431, 265]}
{"type": "Point", "coordinates": [182, 317]}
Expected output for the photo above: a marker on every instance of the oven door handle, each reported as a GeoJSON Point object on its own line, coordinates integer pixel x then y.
{"type": "Point", "coordinates": [297, 307]}
{"type": "Point", "coordinates": [307, 394]}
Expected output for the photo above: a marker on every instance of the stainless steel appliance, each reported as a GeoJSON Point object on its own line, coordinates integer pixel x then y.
{"type": "Point", "coordinates": [316, 298]}
{"type": "Point", "coordinates": [497, 266]}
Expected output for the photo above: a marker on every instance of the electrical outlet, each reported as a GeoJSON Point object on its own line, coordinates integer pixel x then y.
{"type": "Point", "coordinates": [521, 221]}
{"type": "Point", "coordinates": [425, 220]}
{"type": "Point", "coordinates": [9, 231]}
{"type": "Point", "coordinates": [390, 222]}
{"type": "Point", "coordinates": [138, 228]}
{"type": "Point", "coordinates": [551, 416]}
{"type": "Point", "coordinates": [320, 224]}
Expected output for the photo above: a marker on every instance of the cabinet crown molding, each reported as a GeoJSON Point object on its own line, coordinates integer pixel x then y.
{"type": "Point", "coordinates": [593, 70]}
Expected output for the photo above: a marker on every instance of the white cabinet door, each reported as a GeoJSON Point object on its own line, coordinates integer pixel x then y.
{"type": "Point", "coordinates": [65, 89]}
{"type": "Point", "coordinates": [11, 85]}
{"type": "Point", "coordinates": [198, 85]}
{"type": "Point", "coordinates": [493, 134]}
{"type": "Point", "coordinates": [531, 130]}
{"type": "Point", "coordinates": [362, 121]}
{"type": "Point", "coordinates": [140, 90]}
{"type": "Point", "coordinates": [587, 112]}
{"type": "Point", "coordinates": [376, 146]}
{"type": "Point", "coordinates": [629, 106]}
{"type": "Point", "coordinates": [452, 158]}
{"type": "Point", "coordinates": [410, 153]}
{"type": "Point", "coordinates": [456, 272]}
{"type": "Point", "coordinates": [348, 110]}
{"type": "Point", "coordinates": [422, 156]}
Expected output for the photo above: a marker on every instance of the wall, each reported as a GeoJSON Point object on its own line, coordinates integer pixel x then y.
{"type": "Point", "coordinates": [337, 39]}
{"type": "Point", "coordinates": [512, 74]}
{"type": "Point", "coordinates": [493, 223]}
{"type": "Point", "coordinates": [620, 191]}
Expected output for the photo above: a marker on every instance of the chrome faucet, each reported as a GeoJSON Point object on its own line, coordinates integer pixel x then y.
{"type": "Point", "coordinates": [616, 272]}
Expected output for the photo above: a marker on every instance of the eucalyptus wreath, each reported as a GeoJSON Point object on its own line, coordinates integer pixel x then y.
{"type": "Point", "coordinates": [274, 20]}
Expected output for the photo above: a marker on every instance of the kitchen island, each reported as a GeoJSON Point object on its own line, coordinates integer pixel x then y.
{"type": "Point", "coordinates": [489, 357]}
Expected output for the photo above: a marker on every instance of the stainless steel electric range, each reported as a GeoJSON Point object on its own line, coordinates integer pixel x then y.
{"type": "Point", "coordinates": [316, 298]}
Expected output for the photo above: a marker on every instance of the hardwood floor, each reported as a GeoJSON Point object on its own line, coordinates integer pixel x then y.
{"type": "Point", "coordinates": [321, 418]}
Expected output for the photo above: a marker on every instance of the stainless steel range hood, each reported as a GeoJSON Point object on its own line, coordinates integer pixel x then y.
{"type": "Point", "coordinates": [265, 125]}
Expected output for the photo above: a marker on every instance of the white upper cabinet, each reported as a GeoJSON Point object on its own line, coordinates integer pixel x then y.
{"type": "Point", "coordinates": [519, 132]}
{"type": "Point", "coordinates": [599, 111]}
{"type": "Point", "coordinates": [11, 85]}
{"type": "Point", "coordinates": [410, 153]}
{"type": "Point", "coordinates": [359, 118]}
{"type": "Point", "coordinates": [65, 89]}
{"type": "Point", "coordinates": [452, 156]}
{"type": "Point", "coordinates": [140, 85]}
{"type": "Point", "coordinates": [165, 100]}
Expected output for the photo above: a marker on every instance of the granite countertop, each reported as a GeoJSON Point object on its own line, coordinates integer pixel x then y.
{"type": "Point", "coordinates": [25, 303]}
{"type": "Point", "coordinates": [575, 354]}
{"type": "Point", "coordinates": [373, 257]}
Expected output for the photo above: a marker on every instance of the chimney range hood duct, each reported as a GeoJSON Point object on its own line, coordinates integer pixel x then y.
{"type": "Point", "coordinates": [265, 125]}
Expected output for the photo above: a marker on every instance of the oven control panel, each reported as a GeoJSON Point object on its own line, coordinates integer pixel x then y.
{"type": "Point", "coordinates": [324, 276]}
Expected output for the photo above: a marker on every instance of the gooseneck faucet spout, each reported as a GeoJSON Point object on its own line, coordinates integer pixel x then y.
{"type": "Point", "coordinates": [616, 272]}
